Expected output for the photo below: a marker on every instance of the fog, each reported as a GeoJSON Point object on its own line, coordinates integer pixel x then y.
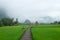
{"type": "Point", "coordinates": [34, 10]}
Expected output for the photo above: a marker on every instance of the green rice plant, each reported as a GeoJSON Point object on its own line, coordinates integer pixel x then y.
{"type": "Point", "coordinates": [11, 32]}
{"type": "Point", "coordinates": [46, 32]}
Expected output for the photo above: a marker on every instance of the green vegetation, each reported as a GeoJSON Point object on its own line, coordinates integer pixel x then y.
{"type": "Point", "coordinates": [46, 32]}
{"type": "Point", "coordinates": [1, 24]}
{"type": "Point", "coordinates": [12, 32]}
{"type": "Point", "coordinates": [8, 22]}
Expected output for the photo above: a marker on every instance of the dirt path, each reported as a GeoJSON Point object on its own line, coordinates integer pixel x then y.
{"type": "Point", "coordinates": [27, 35]}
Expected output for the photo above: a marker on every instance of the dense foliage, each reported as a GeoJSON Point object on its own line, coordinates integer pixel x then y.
{"type": "Point", "coordinates": [8, 22]}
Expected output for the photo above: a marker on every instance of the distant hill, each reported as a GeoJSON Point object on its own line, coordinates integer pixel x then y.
{"type": "Point", "coordinates": [46, 19]}
{"type": "Point", "coordinates": [27, 22]}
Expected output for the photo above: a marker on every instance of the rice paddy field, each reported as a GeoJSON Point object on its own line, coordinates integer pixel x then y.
{"type": "Point", "coordinates": [12, 32]}
{"type": "Point", "coordinates": [46, 32]}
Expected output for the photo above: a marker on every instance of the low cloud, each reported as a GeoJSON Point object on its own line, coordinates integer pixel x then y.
{"type": "Point", "coordinates": [32, 9]}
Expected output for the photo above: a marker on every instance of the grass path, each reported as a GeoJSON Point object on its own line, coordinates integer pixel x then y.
{"type": "Point", "coordinates": [27, 35]}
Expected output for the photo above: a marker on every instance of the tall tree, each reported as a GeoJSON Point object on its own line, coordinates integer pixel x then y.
{"type": "Point", "coordinates": [16, 22]}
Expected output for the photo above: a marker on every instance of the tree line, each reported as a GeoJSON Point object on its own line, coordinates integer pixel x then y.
{"type": "Point", "coordinates": [8, 22]}
{"type": "Point", "coordinates": [56, 22]}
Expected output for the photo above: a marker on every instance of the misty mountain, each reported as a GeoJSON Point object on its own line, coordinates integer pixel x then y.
{"type": "Point", "coordinates": [27, 22]}
{"type": "Point", "coordinates": [46, 19]}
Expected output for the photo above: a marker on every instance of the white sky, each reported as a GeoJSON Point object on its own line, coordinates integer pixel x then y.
{"type": "Point", "coordinates": [32, 9]}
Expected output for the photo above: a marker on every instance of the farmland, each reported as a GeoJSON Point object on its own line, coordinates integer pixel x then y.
{"type": "Point", "coordinates": [46, 32]}
{"type": "Point", "coordinates": [11, 32]}
{"type": "Point", "coordinates": [38, 32]}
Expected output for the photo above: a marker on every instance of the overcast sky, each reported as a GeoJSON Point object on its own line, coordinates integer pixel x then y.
{"type": "Point", "coordinates": [31, 9]}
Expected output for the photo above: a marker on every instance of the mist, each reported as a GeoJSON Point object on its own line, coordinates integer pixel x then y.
{"type": "Point", "coordinates": [3, 13]}
{"type": "Point", "coordinates": [34, 10]}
